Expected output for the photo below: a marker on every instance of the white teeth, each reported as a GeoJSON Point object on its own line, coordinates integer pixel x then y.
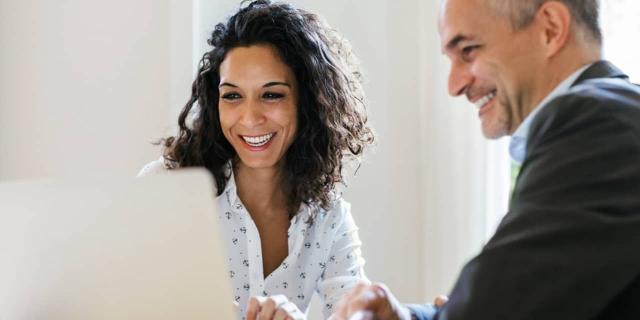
{"type": "Point", "coordinates": [484, 100]}
{"type": "Point", "coordinates": [258, 141]}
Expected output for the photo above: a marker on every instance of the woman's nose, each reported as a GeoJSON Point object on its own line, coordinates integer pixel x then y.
{"type": "Point", "coordinates": [252, 114]}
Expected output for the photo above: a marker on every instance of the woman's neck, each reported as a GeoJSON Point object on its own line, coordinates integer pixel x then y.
{"type": "Point", "coordinates": [260, 190]}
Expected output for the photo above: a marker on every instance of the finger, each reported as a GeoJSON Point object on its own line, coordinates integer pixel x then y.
{"type": "Point", "coordinates": [342, 307]}
{"type": "Point", "coordinates": [281, 314]}
{"type": "Point", "coordinates": [362, 300]}
{"type": "Point", "coordinates": [378, 300]}
{"type": "Point", "coordinates": [292, 311]}
{"type": "Point", "coordinates": [360, 287]}
{"type": "Point", "coordinates": [380, 289]}
{"type": "Point", "coordinates": [253, 307]}
{"type": "Point", "coordinates": [362, 315]}
{"type": "Point", "coordinates": [372, 295]}
{"type": "Point", "coordinates": [279, 299]}
{"type": "Point", "coordinates": [340, 310]}
{"type": "Point", "coordinates": [440, 301]}
{"type": "Point", "coordinates": [387, 306]}
{"type": "Point", "coordinates": [268, 308]}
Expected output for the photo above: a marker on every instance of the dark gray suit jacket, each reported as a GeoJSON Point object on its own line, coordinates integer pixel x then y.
{"type": "Point", "coordinates": [569, 247]}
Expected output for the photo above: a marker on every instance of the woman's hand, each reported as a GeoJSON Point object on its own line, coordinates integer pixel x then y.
{"type": "Point", "coordinates": [276, 307]}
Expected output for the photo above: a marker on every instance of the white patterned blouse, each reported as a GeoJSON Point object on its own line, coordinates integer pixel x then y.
{"type": "Point", "coordinates": [324, 257]}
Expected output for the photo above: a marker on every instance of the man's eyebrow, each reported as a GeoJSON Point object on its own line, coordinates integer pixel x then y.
{"type": "Point", "coordinates": [227, 84]}
{"type": "Point", "coordinates": [453, 43]}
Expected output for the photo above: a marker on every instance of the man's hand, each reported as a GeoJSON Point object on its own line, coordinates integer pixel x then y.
{"type": "Point", "coordinates": [276, 307]}
{"type": "Point", "coordinates": [370, 302]}
{"type": "Point", "coordinates": [440, 301]}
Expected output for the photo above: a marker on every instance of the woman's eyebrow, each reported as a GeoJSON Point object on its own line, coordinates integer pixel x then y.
{"type": "Point", "coordinates": [227, 84]}
{"type": "Point", "coordinates": [276, 83]}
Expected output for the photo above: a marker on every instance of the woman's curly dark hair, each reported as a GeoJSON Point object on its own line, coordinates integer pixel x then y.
{"type": "Point", "coordinates": [332, 121]}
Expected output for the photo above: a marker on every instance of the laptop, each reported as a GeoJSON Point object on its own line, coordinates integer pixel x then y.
{"type": "Point", "coordinates": [113, 248]}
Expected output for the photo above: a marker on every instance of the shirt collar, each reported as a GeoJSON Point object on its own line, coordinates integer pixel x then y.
{"type": "Point", "coordinates": [231, 195]}
{"type": "Point", "coordinates": [230, 190]}
{"type": "Point", "coordinates": [518, 145]}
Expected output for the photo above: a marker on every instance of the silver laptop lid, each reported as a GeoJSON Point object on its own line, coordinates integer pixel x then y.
{"type": "Point", "coordinates": [145, 248]}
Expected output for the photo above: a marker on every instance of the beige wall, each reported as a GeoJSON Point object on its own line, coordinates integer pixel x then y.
{"type": "Point", "coordinates": [84, 85]}
{"type": "Point", "coordinates": [620, 24]}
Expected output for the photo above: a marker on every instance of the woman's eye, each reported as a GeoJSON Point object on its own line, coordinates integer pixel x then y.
{"type": "Point", "coordinates": [230, 96]}
{"type": "Point", "coordinates": [272, 96]}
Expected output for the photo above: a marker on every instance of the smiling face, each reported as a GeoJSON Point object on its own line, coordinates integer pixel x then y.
{"type": "Point", "coordinates": [491, 64]}
{"type": "Point", "coordinates": [258, 105]}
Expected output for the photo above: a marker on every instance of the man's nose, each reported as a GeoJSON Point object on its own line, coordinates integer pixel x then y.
{"type": "Point", "coordinates": [460, 78]}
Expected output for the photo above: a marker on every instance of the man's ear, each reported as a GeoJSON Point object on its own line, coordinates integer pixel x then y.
{"type": "Point", "coordinates": [554, 20]}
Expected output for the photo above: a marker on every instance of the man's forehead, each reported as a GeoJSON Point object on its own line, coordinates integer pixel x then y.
{"type": "Point", "coordinates": [462, 20]}
{"type": "Point", "coordinates": [454, 31]}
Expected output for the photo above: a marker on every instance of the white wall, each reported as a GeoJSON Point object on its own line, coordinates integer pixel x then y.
{"type": "Point", "coordinates": [620, 24]}
{"type": "Point", "coordinates": [84, 87]}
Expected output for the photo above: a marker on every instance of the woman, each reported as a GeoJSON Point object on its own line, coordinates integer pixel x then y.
{"type": "Point", "coordinates": [275, 110]}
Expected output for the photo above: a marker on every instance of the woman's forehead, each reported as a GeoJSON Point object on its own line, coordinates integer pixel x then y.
{"type": "Point", "coordinates": [255, 63]}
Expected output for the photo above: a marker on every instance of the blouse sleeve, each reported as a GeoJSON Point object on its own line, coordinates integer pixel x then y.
{"type": "Point", "coordinates": [344, 265]}
{"type": "Point", "coordinates": [153, 168]}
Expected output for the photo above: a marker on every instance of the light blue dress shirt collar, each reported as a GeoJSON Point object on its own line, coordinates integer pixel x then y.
{"type": "Point", "coordinates": [518, 144]}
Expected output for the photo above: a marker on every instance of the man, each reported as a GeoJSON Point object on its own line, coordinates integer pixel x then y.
{"type": "Point", "coordinates": [569, 247]}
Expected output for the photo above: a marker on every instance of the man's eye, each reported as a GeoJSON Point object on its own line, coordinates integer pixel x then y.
{"type": "Point", "coordinates": [272, 96]}
{"type": "Point", "coordinates": [231, 96]}
{"type": "Point", "coordinates": [468, 50]}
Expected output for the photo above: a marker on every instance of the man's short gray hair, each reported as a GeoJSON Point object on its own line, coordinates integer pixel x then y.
{"type": "Point", "coordinates": [522, 12]}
